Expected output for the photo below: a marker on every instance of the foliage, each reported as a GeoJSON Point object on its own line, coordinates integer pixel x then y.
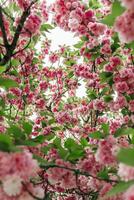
{"type": "Point", "coordinates": [55, 144]}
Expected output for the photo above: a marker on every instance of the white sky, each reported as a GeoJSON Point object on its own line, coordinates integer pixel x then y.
{"type": "Point", "coordinates": [60, 37]}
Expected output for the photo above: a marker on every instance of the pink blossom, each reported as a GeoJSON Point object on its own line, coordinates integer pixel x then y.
{"type": "Point", "coordinates": [104, 153]}
{"type": "Point", "coordinates": [99, 105]}
{"type": "Point", "coordinates": [43, 85]}
{"type": "Point", "coordinates": [106, 49]}
{"type": "Point", "coordinates": [40, 103]}
{"type": "Point", "coordinates": [96, 28]}
{"type": "Point", "coordinates": [89, 14]}
{"type": "Point", "coordinates": [89, 164]}
{"type": "Point", "coordinates": [12, 185]}
{"type": "Point", "coordinates": [73, 24]}
{"type": "Point", "coordinates": [126, 172]}
{"type": "Point", "coordinates": [121, 87]}
{"type": "Point", "coordinates": [44, 10]}
{"type": "Point", "coordinates": [23, 3]}
{"type": "Point", "coordinates": [18, 163]}
{"type": "Point", "coordinates": [129, 194]}
{"type": "Point", "coordinates": [47, 130]}
{"type": "Point", "coordinates": [64, 177]}
{"type": "Point", "coordinates": [128, 3]}
{"type": "Point", "coordinates": [131, 105]}
{"type": "Point", "coordinates": [53, 58]}
{"type": "Point", "coordinates": [115, 61]}
{"type": "Point", "coordinates": [2, 128]}
{"type": "Point", "coordinates": [124, 25]}
{"type": "Point", "coordinates": [33, 23]}
{"type": "Point", "coordinates": [103, 193]}
{"type": "Point", "coordinates": [109, 68]}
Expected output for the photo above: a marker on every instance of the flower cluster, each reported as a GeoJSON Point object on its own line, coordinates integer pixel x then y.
{"type": "Point", "coordinates": [124, 23]}
{"type": "Point", "coordinates": [16, 170]}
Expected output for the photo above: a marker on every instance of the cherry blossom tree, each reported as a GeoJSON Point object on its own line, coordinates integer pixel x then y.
{"type": "Point", "coordinates": [55, 145]}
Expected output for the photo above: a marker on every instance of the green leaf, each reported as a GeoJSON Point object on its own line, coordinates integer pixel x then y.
{"type": "Point", "coordinates": [91, 94]}
{"type": "Point", "coordinates": [130, 45]}
{"type": "Point", "coordinates": [119, 188]}
{"type": "Point", "coordinates": [84, 142]}
{"type": "Point", "coordinates": [2, 69]}
{"type": "Point", "coordinates": [125, 111]}
{"type": "Point", "coordinates": [49, 136]}
{"type": "Point", "coordinates": [104, 91]}
{"type": "Point", "coordinates": [51, 121]}
{"type": "Point", "coordinates": [76, 151]}
{"type": "Point", "coordinates": [103, 174]}
{"type": "Point", "coordinates": [7, 83]}
{"type": "Point", "coordinates": [105, 128]}
{"type": "Point", "coordinates": [94, 4]}
{"type": "Point", "coordinates": [126, 156]}
{"type": "Point", "coordinates": [57, 142]}
{"type": "Point", "coordinates": [6, 143]}
{"type": "Point", "coordinates": [40, 160]}
{"type": "Point", "coordinates": [46, 27]}
{"type": "Point", "coordinates": [79, 45]}
{"type": "Point", "coordinates": [71, 74]}
{"type": "Point", "coordinates": [116, 43]}
{"type": "Point", "coordinates": [108, 98]}
{"type": "Point", "coordinates": [71, 144]}
{"type": "Point", "coordinates": [124, 131]}
{"type": "Point", "coordinates": [2, 103]}
{"type": "Point", "coordinates": [70, 62]}
{"type": "Point", "coordinates": [106, 77]}
{"type": "Point", "coordinates": [84, 38]}
{"type": "Point", "coordinates": [96, 135]}
{"type": "Point", "coordinates": [5, 138]}
{"type": "Point", "coordinates": [117, 10]}
{"type": "Point", "coordinates": [61, 151]}
{"type": "Point", "coordinates": [39, 139]}
{"type": "Point", "coordinates": [15, 62]}
{"type": "Point", "coordinates": [75, 155]}
{"type": "Point", "coordinates": [56, 128]}
{"type": "Point", "coordinates": [29, 143]}
{"type": "Point", "coordinates": [16, 132]}
{"type": "Point", "coordinates": [27, 127]}
{"type": "Point", "coordinates": [34, 142]}
{"type": "Point", "coordinates": [45, 149]}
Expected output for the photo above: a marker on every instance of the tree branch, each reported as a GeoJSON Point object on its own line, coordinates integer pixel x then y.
{"type": "Point", "coordinates": [3, 29]}
{"type": "Point", "coordinates": [77, 171]}
{"type": "Point", "coordinates": [19, 28]}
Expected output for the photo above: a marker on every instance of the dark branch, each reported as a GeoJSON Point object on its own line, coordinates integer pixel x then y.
{"type": "Point", "coordinates": [3, 29]}
{"type": "Point", "coordinates": [78, 172]}
{"type": "Point", "coordinates": [7, 14]}
{"type": "Point", "coordinates": [27, 45]}
{"type": "Point", "coordinates": [19, 28]}
{"type": "Point", "coordinates": [11, 48]}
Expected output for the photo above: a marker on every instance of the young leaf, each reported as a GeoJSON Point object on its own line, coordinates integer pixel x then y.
{"type": "Point", "coordinates": [119, 188]}
{"type": "Point", "coordinates": [2, 69]}
{"type": "Point", "coordinates": [126, 156]}
{"type": "Point", "coordinates": [105, 128]}
{"type": "Point", "coordinates": [7, 83]}
{"type": "Point", "coordinates": [95, 135]}
{"type": "Point", "coordinates": [124, 131]}
{"type": "Point", "coordinates": [46, 27]}
{"type": "Point", "coordinates": [6, 143]}
{"type": "Point", "coordinates": [27, 127]}
{"type": "Point", "coordinates": [117, 10]}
